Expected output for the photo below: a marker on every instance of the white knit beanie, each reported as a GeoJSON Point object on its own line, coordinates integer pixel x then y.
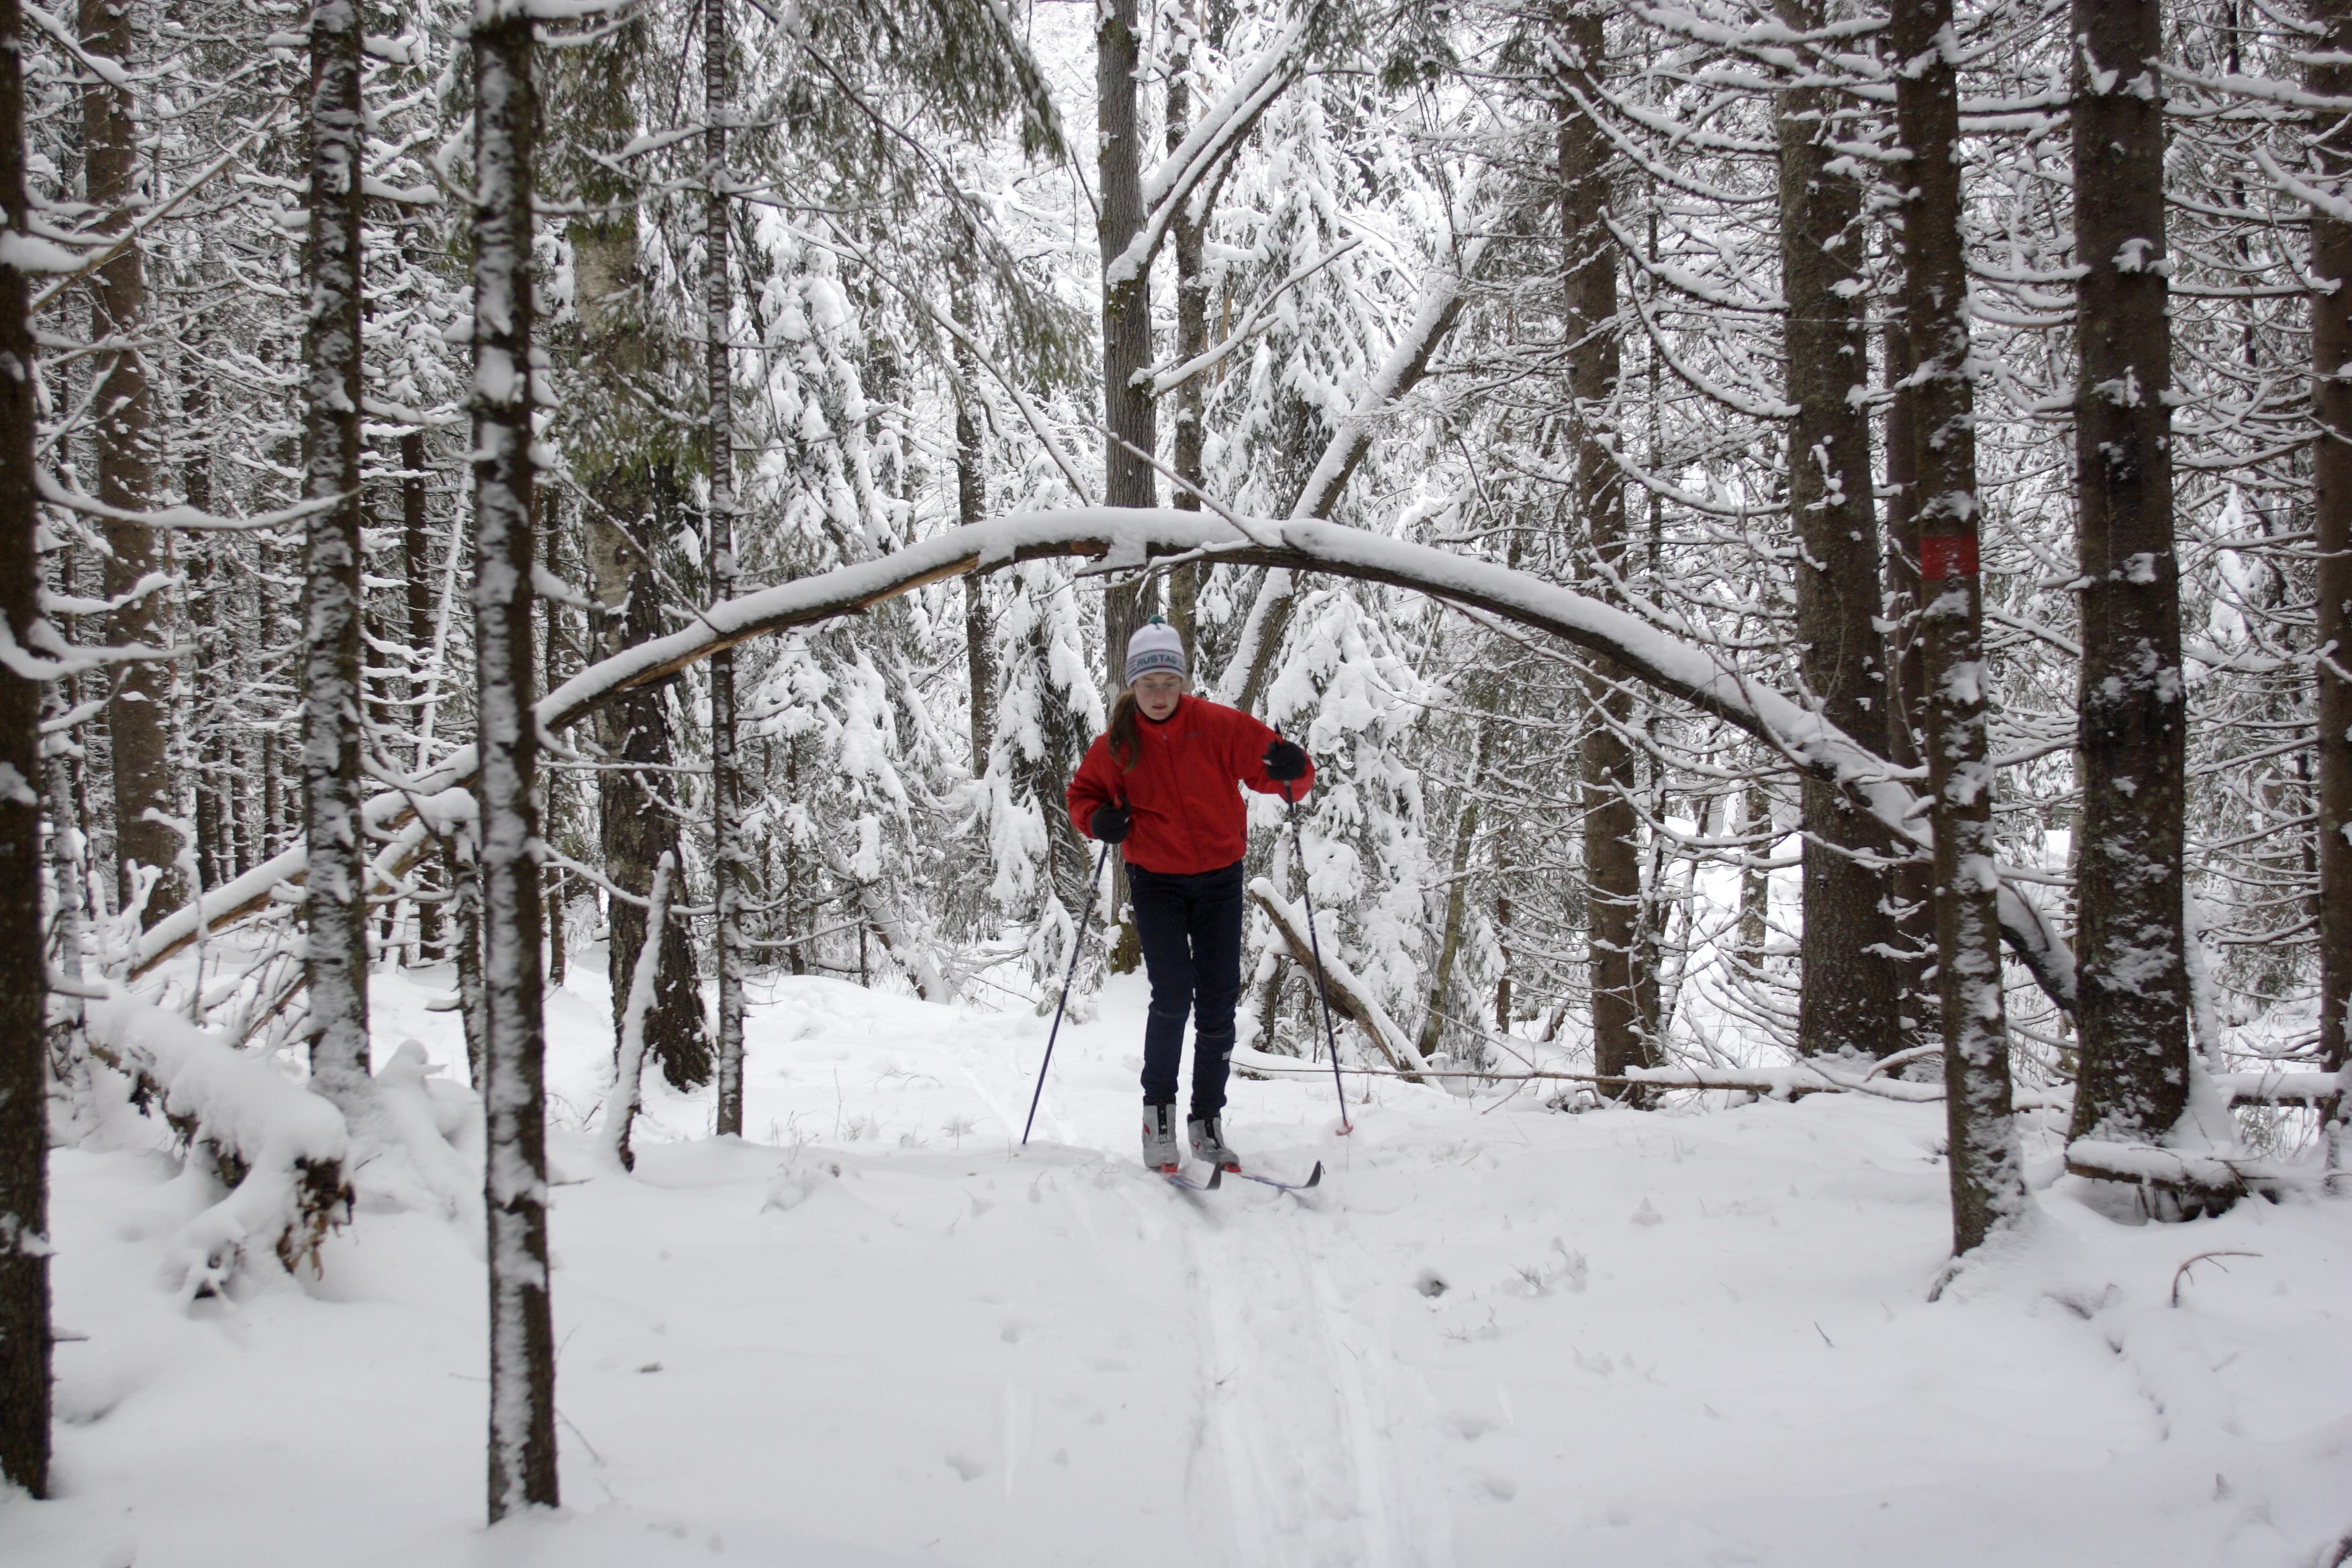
{"type": "Point", "coordinates": [1154, 646]}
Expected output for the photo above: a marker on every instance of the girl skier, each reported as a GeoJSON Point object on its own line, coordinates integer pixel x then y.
{"type": "Point", "coordinates": [1159, 783]}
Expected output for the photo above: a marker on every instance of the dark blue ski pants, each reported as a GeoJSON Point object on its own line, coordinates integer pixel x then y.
{"type": "Point", "coordinates": [1191, 929]}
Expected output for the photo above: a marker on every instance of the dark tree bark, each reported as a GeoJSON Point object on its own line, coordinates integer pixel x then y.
{"type": "Point", "coordinates": [1912, 885]}
{"type": "Point", "coordinates": [334, 901]}
{"type": "Point", "coordinates": [207, 585]}
{"type": "Point", "coordinates": [138, 717]}
{"type": "Point", "coordinates": [1851, 988]}
{"type": "Point", "coordinates": [514, 1096]}
{"type": "Point", "coordinates": [551, 783]}
{"type": "Point", "coordinates": [2132, 1015]}
{"type": "Point", "coordinates": [1755, 882]}
{"type": "Point", "coordinates": [24, 1100]}
{"type": "Point", "coordinates": [730, 865]}
{"type": "Point", "coordinates": [416, 565]}
{"type": "Point", "coordinates": [1458, 892]}
{"type": "Point", "coordinates": [972, 505]}
{"type": "Point", "coordinates": [2329, 75]}
{"type": "Point", "coordinates": [636, 825]}
{"type": "Point", "coordinates": [1987, 1167]}
{"type": "Point", "coordinates": [1129, 416]}
{"type": "Point", "coordinates": [628, 459]}
{"type": "Point", "coordinates": [461, 867]}
{"type": "Point", "coordinates": [1188, 238]}
{"type": "Point", "coordinates": [1613, 845]}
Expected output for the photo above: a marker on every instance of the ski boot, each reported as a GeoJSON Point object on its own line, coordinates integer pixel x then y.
{"type": "Point", "coordinates": [1159, 1139]}
{"type": "Point", "coordinates": [1209, 1146]}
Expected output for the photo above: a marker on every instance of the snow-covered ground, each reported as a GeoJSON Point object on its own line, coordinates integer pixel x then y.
{"type": "Point", "coordinates": [876, 1332]}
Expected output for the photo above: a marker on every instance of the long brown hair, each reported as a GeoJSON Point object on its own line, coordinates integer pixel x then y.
{"type": "Point", "coordinates": [1125, 745]}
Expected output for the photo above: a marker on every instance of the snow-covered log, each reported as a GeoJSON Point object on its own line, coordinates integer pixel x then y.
{"type": "Point", "coordinates": [2278, 1088]}
{"type": "Point", "coordinates": [1793, 1080]}
{"type": "Point", "coordinates": [1349, 996]}
{"type": "Point", "coordinates": [1677, 662]}
{"type": "Point", "coordinates": [279, 1148]}
{"type": "Point", "coordinates": [2204, 1180]}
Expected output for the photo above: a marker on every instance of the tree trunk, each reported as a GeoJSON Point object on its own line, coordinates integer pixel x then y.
{"type": "Point", "coordinates": [1457, 893]}
{"type": "Point", "coordinates": [1912, 885]}
{"type": "Point", "coordinates": [416, 558]}
{"type": "Point", "coordinates": [2329, 75]}
{"type": "Point", "coordinates": [461, 867]}
{"type": "Point", "coordinates": [552, 782]}
{"type": "Point", "coordinates": [24, 1097]}
{"type": "Point", "coordinates": [626, 462]}
{"type": "Point", "coordinates": [215, 818]}
{"type": "Point", "coordinates": [1188, 236]}
{"type": "Point", "coordinates": [1987, 1166]}
{"type": "Point", "coordinates": [2134, 1009]}
{"type": "Point", "coordinates": [522, 1340]}
{"type": "Point", "coordinates": [1849, 986]}
{"type": "Point", "coordinates": [1129, 417]}
{"type": "Point", "coordinates": [1755, 882]}
{"type": "Point", "coordinates": [730, 865]}
{"type": "Point", "coordinates": [138, 716]}
{"type": "Point", "coordinates": [1612, 864]}
{"type": "Point", "coordinates": [334, 899]}
{"type": "Point", "coordinates": [971, 507]}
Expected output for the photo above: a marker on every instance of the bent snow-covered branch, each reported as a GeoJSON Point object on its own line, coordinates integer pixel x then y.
{"type": "Point", "coordinates": [1683, 668]}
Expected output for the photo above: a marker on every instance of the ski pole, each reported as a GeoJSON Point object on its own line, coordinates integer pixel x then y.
{"type": "Point", "coordinates": [1315, 945]}
{"type": "Point", "coordinates": [1077, 936]}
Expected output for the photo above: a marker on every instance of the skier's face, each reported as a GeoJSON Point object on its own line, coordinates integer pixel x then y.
{"type": "Point", "coordinates": [1156, 694]}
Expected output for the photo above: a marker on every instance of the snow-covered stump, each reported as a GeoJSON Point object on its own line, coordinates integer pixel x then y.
{"type": "Point", "coordinates": [280, 1149]}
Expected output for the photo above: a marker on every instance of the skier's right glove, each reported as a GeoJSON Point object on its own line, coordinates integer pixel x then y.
{"type": "Point", "coordinates": [1284, 762]}
{"type": "Point", "coordinates": [1109, 823]}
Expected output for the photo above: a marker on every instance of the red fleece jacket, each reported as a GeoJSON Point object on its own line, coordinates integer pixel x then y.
{"type": "Point", "coordinates": [1188, 817]}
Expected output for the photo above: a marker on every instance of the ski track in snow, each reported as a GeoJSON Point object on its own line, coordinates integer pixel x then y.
{"type": "Point", "coordinates": [879, 1332]}
{"type": "Point", "coordinates": [1300, 1396]}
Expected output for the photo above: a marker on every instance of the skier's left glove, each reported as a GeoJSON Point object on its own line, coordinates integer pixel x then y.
{"type": "Point", "coordinates": [1284, 762]}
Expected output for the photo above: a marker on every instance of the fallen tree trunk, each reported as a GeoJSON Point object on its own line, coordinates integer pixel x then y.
{"type": "Point", "coordinates": [2201, 1182]}
{"type": "Point", "coordinates": [1349, 997]}
{"type": "Point", "coordinates": [1791, 1082]}
{"type": "Point", "coordinates": [279, 1148]}
{"type": "Point", "coordinates": [1681, 664]}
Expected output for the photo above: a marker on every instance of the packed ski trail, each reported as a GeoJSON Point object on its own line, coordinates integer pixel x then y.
{"type": "Point", "coordinates": [876, 1331]}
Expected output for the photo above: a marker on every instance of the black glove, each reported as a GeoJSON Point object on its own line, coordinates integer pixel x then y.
{"type": "Point", "coordinates": [1284, 762]}
{"type": "Point", "coordinates": [1109, 823]}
